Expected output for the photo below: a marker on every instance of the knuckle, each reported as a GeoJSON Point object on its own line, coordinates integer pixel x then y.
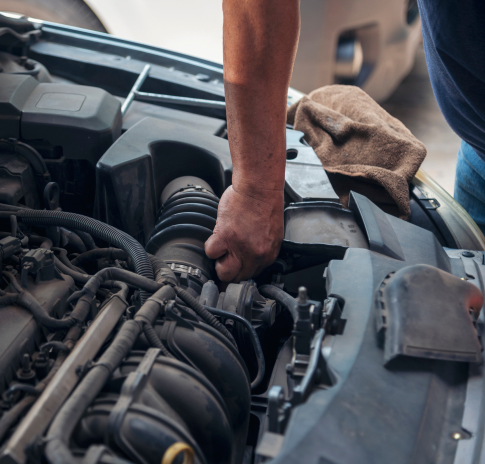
{"type": "Point", "coordinates": [261, 253]}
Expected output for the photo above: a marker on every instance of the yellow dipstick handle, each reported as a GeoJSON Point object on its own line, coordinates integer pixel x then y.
{"type": "Point", "coordinates": [174, 450]}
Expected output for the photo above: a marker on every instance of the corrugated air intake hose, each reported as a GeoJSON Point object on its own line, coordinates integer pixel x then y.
{"type": "Point", "coordinates": [96, 228]}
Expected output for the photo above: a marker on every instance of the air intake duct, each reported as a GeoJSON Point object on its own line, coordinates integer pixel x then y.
{"type": "Point", "coordinates": [184, 223]}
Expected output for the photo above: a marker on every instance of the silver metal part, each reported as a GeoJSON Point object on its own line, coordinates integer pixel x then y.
{"type": "Point", "coordinates": [60, 387]}
{"type": "Point", "coordinates": [136, 86]}
{"type": "Point", "coordinates": [157, 97]}
{"type": "Point", "coordinates": [193, 271]}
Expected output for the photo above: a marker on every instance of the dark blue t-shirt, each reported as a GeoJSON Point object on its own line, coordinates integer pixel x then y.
{"type": "Point", "coordinates": [454, 43]}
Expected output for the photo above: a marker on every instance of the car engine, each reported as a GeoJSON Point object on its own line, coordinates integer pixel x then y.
{"type": "Point", "coordinates": [118, 344]}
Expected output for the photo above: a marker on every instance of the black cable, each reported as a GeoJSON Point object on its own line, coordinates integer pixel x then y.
{"type": "Point", "coordinates": [62, 255]}
{"type": "Point", "coordinates": [30, 154]}
{"type": "Point", "coordinates": [13, 225]}
{"type": "Point", "coordinates": [73, 239]}
{"type": "Point", "coordinates": [5, 207]}
{"type": "Point", "coordinates": [281, 297]}
{"type": "Point", "coordinates": [41, 242]}
{"type": "Point", "coordinates": [87, 239]}
{"type": "Point", "coordinates": [77, 276]}
{"type": "Point", "coordinates": [22, 387]}
{"type": "Point", "coordinates": [115, 273]}
{"type": "Point", "coordinates": [25, 299]}
{"type": "Point", "coordinates": [56, 345]}
{"type": "Point", "coordinates": [98, 253]}
{"type": "Point", "coordinates": [89, 290]}
{"type": "Point", "coordinates": [204, 314]}
{"type": "Point", "coordinates": [154, 341]}
{"type": "Point", "coordinates": [162, 271]}
{"type": "Point", "coordinates": [96, 228]}
{"type": "Point", "coordinates": [254, 340]}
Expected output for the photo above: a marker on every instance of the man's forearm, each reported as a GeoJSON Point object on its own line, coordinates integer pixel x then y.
{"type": "Point", "coordinates": [260, 41]}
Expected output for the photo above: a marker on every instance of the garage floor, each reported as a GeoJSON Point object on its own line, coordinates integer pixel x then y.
{"type": "Point", "coordinates": [414, 104]}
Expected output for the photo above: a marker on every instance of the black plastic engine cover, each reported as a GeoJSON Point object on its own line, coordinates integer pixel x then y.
{"type": "Point", "coordinates": [84, 121]}
{"type": "Point", "coordinates": [403, 412]}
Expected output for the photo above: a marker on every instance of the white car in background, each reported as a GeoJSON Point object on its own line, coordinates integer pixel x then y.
{"type": "Point", "coordinates": [369, 43]}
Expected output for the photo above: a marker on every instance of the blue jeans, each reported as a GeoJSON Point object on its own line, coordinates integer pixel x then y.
{"type": "Point", "coordinates": [470, 183]}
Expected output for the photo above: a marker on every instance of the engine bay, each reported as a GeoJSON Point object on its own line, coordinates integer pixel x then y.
{"type": "Point", "coordinates": [118, 344]}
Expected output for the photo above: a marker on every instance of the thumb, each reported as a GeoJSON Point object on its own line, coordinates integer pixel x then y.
{"type": "Point", "coordinates": [215, 247]}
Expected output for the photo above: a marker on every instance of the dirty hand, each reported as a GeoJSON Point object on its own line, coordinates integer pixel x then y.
{"type": "Point", "coordinates": [248, 233]}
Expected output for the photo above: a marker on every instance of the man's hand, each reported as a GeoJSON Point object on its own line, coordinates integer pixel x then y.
{"type": "Point", "coordinates": [248, 233]}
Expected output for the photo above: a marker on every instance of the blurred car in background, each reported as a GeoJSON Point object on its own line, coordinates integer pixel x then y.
{"type": "Point", "coordinates": [369, 43]}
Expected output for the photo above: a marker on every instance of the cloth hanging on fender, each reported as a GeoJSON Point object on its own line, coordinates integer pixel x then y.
{"type": "Point", "coordinates": [361, 146]}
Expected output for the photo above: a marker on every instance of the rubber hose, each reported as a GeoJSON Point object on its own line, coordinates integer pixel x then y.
{"type": "Point", "coordinates": [204, 314]}
{"type": "Point", "coordinates": [89, 290]}
{"type": "Point", "coordinates": [254, 340]}
{"type": "Point", "coordinates": [73, 239]}
{"type": "Point", "coordinates": [77, 276]}
{"type": "Point", "coordinates": [114, 273]}
{"type": "Point", "coordinates": [57, 444]}
{"type": "Point", "coordinates": [98, 229]}
{"type": "Point", "coordinates": [13, 225]}
{"type": "Point", "coordinates": [162, 271]}
{"type": "Point", "coordinates": [91, 255]}
{"type": "Point", "coordinates": [281, 297]}
{"type": "Point", "coordinates": [20, 387]}
{"type": "Point", "coordinates": [62, 255]}
{"type": "Point", "coordinates": [5, 207]}
{"type": "Point", "coordinates": [28, 302]}
{"type": "Point", "coordinates": [42, 242]}
{"type": "Point", "coordinates": [154, 341]}
{"type": "Point", "coordinates": [87, 239]}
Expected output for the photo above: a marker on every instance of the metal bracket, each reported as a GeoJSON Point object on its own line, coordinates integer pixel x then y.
{"type": "Point", "coordinates": [430, 200]}
{"type": "Point", "coordinates": [135, 94]}
{"type": "Point", "coordinates": [317, 373]}
{"type": "Point", "coordinates": [278, 410]}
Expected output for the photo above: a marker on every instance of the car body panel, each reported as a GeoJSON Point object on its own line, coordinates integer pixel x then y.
{"type": "Point", "coordinates": [389, 43]}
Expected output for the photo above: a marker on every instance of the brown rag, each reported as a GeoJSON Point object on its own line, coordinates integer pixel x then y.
{"type": "Point", "coordinates": [361, 146]}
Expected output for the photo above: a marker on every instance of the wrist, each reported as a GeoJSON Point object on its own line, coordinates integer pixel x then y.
{"type": "Point", "coordinates": [263, 181]}
{"type": "Point", "coordinates": [259, 195]}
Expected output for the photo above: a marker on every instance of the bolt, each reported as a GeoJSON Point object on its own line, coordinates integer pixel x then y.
{"type": "Point", "coordinates": [302, 295]}
{"type": "Point", "coordinates": [26, 363]}
{"type": "Point", "coordinates": [468, 254]}
{"type": "Point", "coordinates": [29, 65]}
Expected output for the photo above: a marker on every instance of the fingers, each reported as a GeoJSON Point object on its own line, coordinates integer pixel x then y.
{"type": "Point", "coordinates": [250, 269]}
{"type": "Point", "coordinates": [228, 267]}
{"type": "Point", "coordinates": [215, 247]}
